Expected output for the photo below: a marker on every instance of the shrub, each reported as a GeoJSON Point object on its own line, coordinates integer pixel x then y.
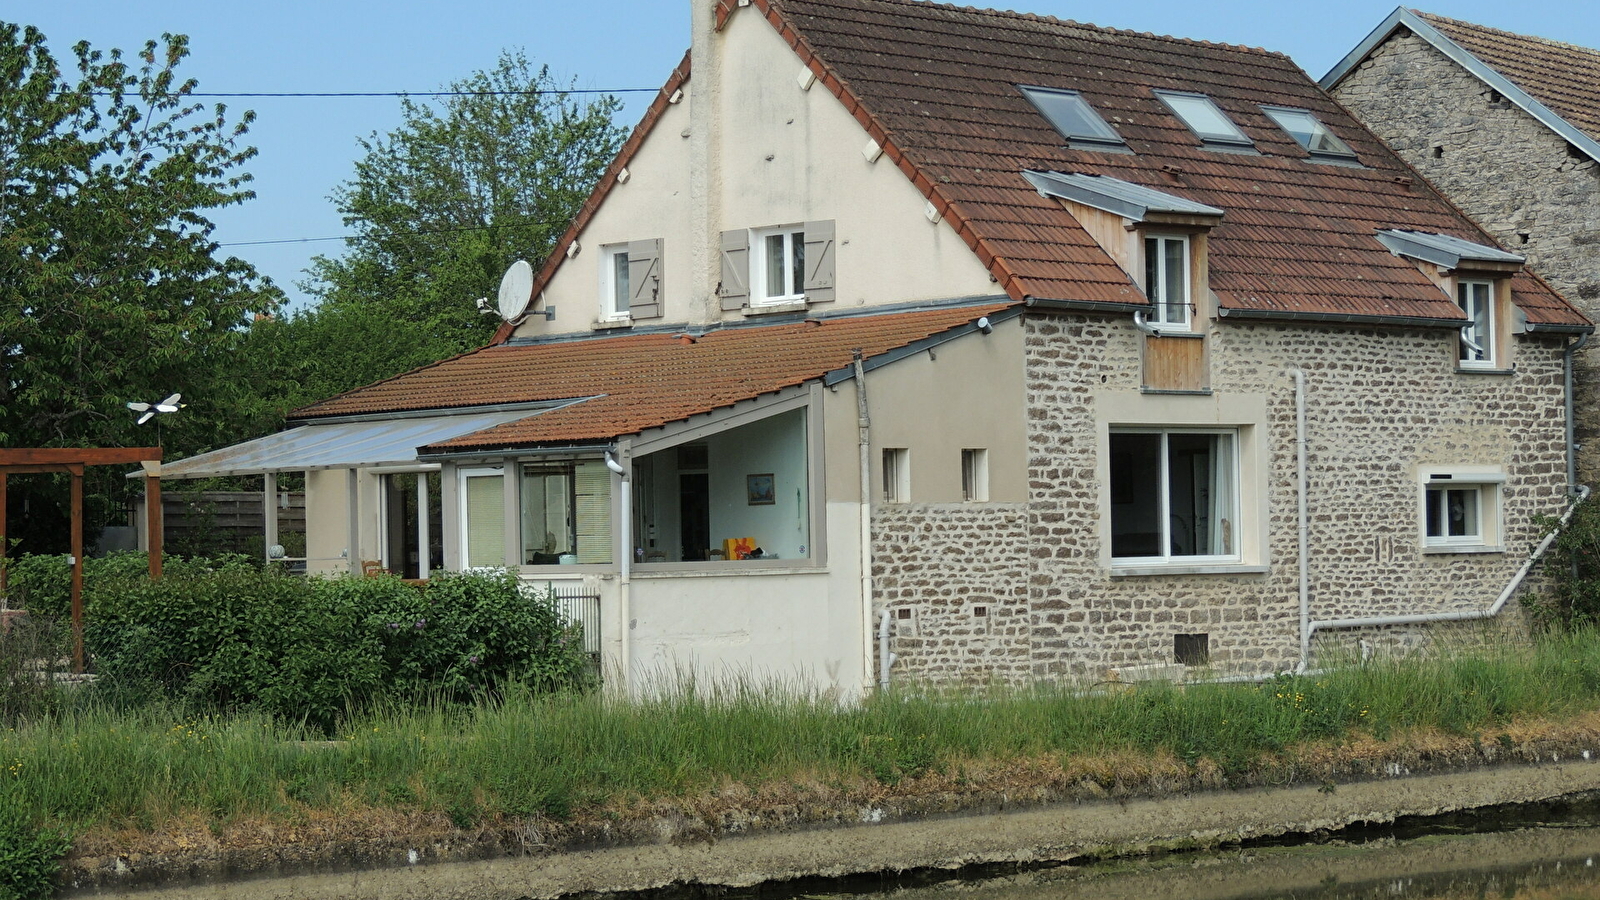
{"type": "Point", "coordinates": [30, 857]}
{"type": "Point", "coordinates": [1573, 569]}
{"type": "Point", "coordinates": [42, 584]}
{"type": "Point", "coordinates": [313, 648]}
{"type": "Point", "coordinates": [29, 653]}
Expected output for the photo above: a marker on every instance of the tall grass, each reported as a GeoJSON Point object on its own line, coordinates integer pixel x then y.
{"type": "Point", "coordinates": [101, 764]}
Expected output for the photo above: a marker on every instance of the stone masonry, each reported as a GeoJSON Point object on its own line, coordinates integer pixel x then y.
{"type": "Point", "coordinates": [1382, 403]}
{"type": "Point", "coordinates": [1518, 179]}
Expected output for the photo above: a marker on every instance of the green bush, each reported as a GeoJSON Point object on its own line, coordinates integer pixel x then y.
{"type": "Point", "coordinates": [42, 584]}
{"type": "Point", "coordinates": [1573, 569]}
{"type": "Point", "coordinates": [313, 649]}
{"type": "Point", "coordinates": [30, 857]}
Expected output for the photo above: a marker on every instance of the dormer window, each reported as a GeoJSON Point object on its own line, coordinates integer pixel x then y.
{"type": "Point", "coordinates": [1208, 122]}
{"type": "Point", "coordinates": [1074, 118]}
{"type": "Point", "coordinates": [1166, 278]}
{"type": "Point", "coordinates": [1478, 338]}
{"type": "Point", "coordinates": [1309, 132]}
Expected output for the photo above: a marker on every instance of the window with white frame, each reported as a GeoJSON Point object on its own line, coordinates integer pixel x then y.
{"type": "Point", "coordinates": [1460, 509]}
{"type": "Point", "coordinates": [566, 513]}
{"type": "Point", "coordinates": [896, 475]}
{"type": "Point", "coordinates": [614, 286]}
{"type": "Point", "coordinates": [975, 475]}
{"type": "Point", "coordinates": [1476, 299]}
{"type": "Point", "coordinates": [1174, 494]}
{"type": "Point", "coordinates": [1166, 278]}
{"type": "Point", "coordinates": [778, 265]}
{"type": "Point", "coordinates": [483, 517]}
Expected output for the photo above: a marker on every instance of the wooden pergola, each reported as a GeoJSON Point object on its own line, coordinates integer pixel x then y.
{"type": "Point", "coordinates": [72, 461]}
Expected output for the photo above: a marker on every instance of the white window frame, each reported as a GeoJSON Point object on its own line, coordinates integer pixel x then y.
{"type": "Point", "coordinates": [613, 308]}
{"type": "Point", "coordinates": [463, 525]}
{"type": "Point", "coordinates": [1485, 485]}
{"type": "Point", "coordinates": [1161, 306]}
{"type": "Point", "coordinates": [975, 475]}
{"type": "Point", "coordinates": [1234, 477]}
{"type": "Point", "coordinates": [793, 237]}
{"type": "Point", "coordinates": [1486, 338]}
{"type": "Point", "coordinates": [896, 475]}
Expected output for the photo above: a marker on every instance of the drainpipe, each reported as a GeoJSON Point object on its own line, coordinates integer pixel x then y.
{"type": "Point", "coordinates": [1140, 323]}
{"type": "Point", "coordinates": [625, 600]}
{"type": "Point", "coordinates": [1572, 445]}
{"type": "Point", "coordinates": [864, 440]}
{"type": "Point", "coordinates": [885, 658]}
{"type": "Point", "coordinates": [1305, 525]}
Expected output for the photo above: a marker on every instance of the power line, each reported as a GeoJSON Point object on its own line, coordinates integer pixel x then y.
{"type": "Point", "coordinates": [398, 93]}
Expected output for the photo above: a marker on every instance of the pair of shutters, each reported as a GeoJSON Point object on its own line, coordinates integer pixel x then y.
{"type": "Point", "coordinates": [644, 279]}
{"type": "Point", "coordinates": [734, 290]}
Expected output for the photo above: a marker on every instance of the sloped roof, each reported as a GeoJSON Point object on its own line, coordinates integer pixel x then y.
{"type": "Point", "coordinates": [639, 381]}
{"type": "Point", "coordinates": [936, 85]}
{"type": "Point", "coordinates": [1564, 77]}
{"type": "Point", "coordinates": [1556, 83]}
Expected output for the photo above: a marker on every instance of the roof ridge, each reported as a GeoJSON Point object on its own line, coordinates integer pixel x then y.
{"type": "Point", "coordinates": [1435, 17]}
{"type": "Point", "coordinates": [1074, 23]}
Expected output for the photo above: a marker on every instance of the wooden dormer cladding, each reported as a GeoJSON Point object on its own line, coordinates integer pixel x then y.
{"type": "Point", "coordinates": [1176, 363]}
{"type": "Point", "coordinates": [1454, 264]}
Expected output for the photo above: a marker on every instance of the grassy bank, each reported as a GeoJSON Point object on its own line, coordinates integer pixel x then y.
{"type": "Point", "coordinates": [91, 765]}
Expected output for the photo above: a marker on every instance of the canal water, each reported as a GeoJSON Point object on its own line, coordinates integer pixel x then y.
{"type": "Point", "coordinates": [1550, 852]}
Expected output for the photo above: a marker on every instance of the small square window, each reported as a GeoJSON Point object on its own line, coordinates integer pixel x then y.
{"type": "Point", "coordinates": [1461, 509]}
{"type": "Point", "coordinates": [1205, 119]}
{"type": "Point", "coordinates": [1309, 132]}
{"type": "Point", "coordinates": [1192, 649]}
{"type": "Point", "coordinates": [778, 265]}
{"type": "Point", "coordinates": [1476, 299]}
{"type": "Point", "coordinates": [975, 475]}
{"type": "Point", "coordinates": [1074, 118]}
{"type": "Point", "coordinates": [614, 282]}
{"type": "Point", "coordinates": [896, 475]}
{"type": "Point", "coordinates": [1166, 278]}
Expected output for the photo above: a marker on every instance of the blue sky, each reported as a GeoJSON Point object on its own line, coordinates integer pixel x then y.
{"type": "Point", "coordinates": [308, 146]}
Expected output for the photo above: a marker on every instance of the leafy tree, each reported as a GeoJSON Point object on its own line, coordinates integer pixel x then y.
{"type": "Point", "coordinates": [440, 207]}
{"type": "Point", "coordinates": [111, 287]}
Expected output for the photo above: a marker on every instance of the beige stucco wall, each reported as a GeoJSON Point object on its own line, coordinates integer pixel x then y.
{"type": "Point", "coordinates": [328, 520]}
{"type": "Point", "coordinates": [784, 155]}
{"type": "Point", "coordinates": [1505, 169]}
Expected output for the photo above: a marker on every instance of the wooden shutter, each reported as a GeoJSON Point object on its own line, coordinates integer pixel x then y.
{"type": "Point", "coordinates": [819, 262]}
{"type": "Point", "coordinates": [644, 279]}
{"type": "Point", "coordinates": [735, 287]}
{"type": "Point", "coordinates": [593, 488]}
{"type": "Point", "coordinates": [486, 520]}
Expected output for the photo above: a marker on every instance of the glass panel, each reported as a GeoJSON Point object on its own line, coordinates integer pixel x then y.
{"type": "Point", "coordinates": [1152, 276]}
{"type": "Point", "coordinates": [1473, 297]}
{"type": "Point", "coordinates": [775, 265]}
{"type": "Point", "coordinates": [1192, 523]}
{"type": "Point", "coordinates": [1308, 131]}
{"type": "Point", "coordinates": [1071, 115]}
{"type": "Point", "coordinates": [1135, 464]}
{"type": "Point", "coordinates": [1174, 292]}
{"type": "Point", "coordinates": [547, 520]}
{"type": "Point", "coordinates": [1461, 512]}
{"type": "Point", "coordinates": [592, 511]}
{"type": "Point", "coordinates": [619, 282]}
{"type": "Point", "coordinates": [1204, 118]}
{"type": "Point", "coordinates": [1435, 512]}
{"type": "Point", "coordinates": [486, 520]}
{"type": "Point", "coordinates": [797, 246]}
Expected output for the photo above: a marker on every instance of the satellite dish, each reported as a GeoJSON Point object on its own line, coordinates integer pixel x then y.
{"type": "Point", "coordinates": [516, 290]}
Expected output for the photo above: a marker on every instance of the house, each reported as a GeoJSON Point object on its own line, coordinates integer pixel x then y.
{"type": "Point", "coordinates": [1021, 349]}
{"type": "Point", "coordinates": [1507, 127]}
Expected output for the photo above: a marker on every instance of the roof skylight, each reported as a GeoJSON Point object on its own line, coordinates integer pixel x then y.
{"type": "Point", "coordinates": [1309, 132]}
{"type": "Point", "coordinates": [1205, 119]}
{"type": "Point", "coordinates": [1073, 117]}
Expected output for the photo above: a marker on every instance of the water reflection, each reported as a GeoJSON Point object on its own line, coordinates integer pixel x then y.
{"type": "Point", "coordinates": [1553, 858]}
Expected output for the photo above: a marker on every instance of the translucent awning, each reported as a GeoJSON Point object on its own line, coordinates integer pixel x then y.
{"type": "Point", "coordinates": [342, 445]}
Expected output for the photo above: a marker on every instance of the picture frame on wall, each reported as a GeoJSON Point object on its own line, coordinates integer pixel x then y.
{"type": "Point", "coordinates": [759, 489]}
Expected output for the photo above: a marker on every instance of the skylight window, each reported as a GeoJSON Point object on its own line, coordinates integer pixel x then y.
{"type": "Point", "coordinates": [1205, 119]}
{"type": "Point", "coordinates": [1309, 132]}
{"type": "Point", "coordinates": [1073, 117]}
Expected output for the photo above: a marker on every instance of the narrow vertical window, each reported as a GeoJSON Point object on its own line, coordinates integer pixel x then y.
{"type": "Point", "coordinates": [1477, 336]}
{"type": "Point", "coordinates": [1166, 278]}
{"type": "Point", "coordinates": [483, 514]}
{"type": "Point", "coordinates": [614, 286]}
{"type": "Point", "coordinates": [896, 475]}
{"type": "Point", "coordinates": [975, 475]}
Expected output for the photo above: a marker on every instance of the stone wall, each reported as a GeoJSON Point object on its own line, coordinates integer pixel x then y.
{"type": "Point", "coordinates": [1382, 405]}
{"type": "Point", "coordinates": [1519, 180]}
{"type": "Point", "coordinates": [957, 573]}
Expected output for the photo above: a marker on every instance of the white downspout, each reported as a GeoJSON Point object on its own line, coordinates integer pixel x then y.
{"type": "Point", "coordinates": [1305, 522]}
{"type": "Point", "coordinates": [1143, 325]}
{"type": "Point", "coordinates": [864, 440]}
{"type": "Point", "coordinates": [624, 598]}
{"type": "Point", "coordinates": [885, 658]}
